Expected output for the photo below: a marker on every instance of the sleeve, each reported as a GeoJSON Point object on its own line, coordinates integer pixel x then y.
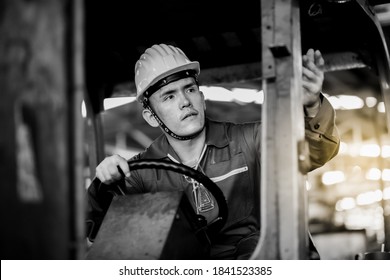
{"type": "Point", "coordinates": [322, 135]}
{"type": "Point", "coordinates": [98, 201]}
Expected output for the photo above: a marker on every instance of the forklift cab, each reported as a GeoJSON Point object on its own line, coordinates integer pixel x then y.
{"type": "Point", "coordinates": [350, 38]}
{"type": "Point", "coordinates": [56, 56]}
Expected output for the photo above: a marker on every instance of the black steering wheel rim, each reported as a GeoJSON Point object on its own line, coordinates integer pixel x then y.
{"type": "Point", "coordinates": [194, 174]}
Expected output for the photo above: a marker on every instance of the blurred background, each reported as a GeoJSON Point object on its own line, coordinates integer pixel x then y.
{"type": "Point", "coordinates": [67, 92]}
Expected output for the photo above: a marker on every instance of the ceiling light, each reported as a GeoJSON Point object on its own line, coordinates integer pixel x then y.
{"type": "Point", "coordinates": [371, 101]}
{"type": "Point", "coordinates": [381, 107]}
{"type": "Point", "coordinates": [333, 177]}
{"type": "Point", "coordinates": [373, 174]}
{"type": "Point", "coordinates": [345, 204]}
{"type": "Point", "coordinates": [369, 197]}
{"type": "Point", "coordinates": [370, 150]}
{"type": "Point", "coordinates": [113, 102]}
{"type": "Point", "coordinates": [346, 102]}
{"type": "Point", "coordinates": [240, 95]}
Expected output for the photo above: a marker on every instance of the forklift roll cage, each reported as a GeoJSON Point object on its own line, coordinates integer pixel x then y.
{"type": "Point", "coordinates": [287, 28]}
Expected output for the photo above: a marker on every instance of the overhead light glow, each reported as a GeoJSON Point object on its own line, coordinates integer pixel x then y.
{"type": "Point", "coordinates": [370, 150]}
{"type": "Point", "coordinates": [217, 94]}
{"type": "Point", "coordinates": [369, 197]}
{"type": "Point", "coordinates": [371, 101]}
{"type": "Point", "coordinates": [346, 102]}
{"type": "Point", "coordinates": [346, 203]}
{"type": "Point", "coordinates": [248, 95]}
{"type": "Point", "coordinates": [386, 193]}
{"type": "Point", "coordinates": [343, 148]}
{"type": "Point", "coordinates": [373, 174]}
{"type": "Point", "coordinates": [83, 109]}
{"type": "Point", "coordinates": [113, 102]}
{"type": "Point", "coordinates": [333, 177]}
{"type": "Point", "coordinates": [386, 174]}
{"type": "Point", "coordinates": [381, 107]}
{"type": "Point", "coordinates": [241, 95]}
{"type": "Point", "coordinates": [385, 151]}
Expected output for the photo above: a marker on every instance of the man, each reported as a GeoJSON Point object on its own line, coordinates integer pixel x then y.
{"type": "Point", "coordinates": [229, 154]}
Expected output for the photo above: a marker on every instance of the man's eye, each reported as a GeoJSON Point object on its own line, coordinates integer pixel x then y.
{"type": "Point", "coordinates": [168, 97]}
{"type": "Point", "coordinates": [191, 89]}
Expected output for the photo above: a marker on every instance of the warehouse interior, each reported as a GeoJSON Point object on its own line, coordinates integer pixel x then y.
{"type": "Point", "coordinates": [348, 198]}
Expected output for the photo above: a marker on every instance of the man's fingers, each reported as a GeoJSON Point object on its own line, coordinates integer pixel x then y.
{"type": "Point", "coordinates": [310, 55]}
{"type": "Point", "coordinates": [311, 81]}
{"type": "Point", "coordinates": [124, 166]}
{"type": "Point", "coordinates": [103, 175]}
{"type": "Point", "coordinates": [113, 172]}
{"type": "Point", "coordinates": [318, 59]}
{"type": "Point", "coordinates": [307, 74]}
{"type": "Point", "coordinates": [317, 70]}
{"type": "Point", "coordinates": [107, 171]}
{"type": "Point", "coordinates": [308, 86]}
{"type": "Point", "coordinates": [313, 59]}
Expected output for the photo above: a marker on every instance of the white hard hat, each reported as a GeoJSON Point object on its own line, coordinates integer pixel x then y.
{"type": "Point", "coordinates": [159, 62]}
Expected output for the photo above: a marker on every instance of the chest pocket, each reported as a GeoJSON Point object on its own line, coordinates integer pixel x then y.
{"type": "Point", "coordinates": [232, 177]}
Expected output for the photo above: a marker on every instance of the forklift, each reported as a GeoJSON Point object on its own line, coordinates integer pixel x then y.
{"type": "Point", "coordinates": [52, 57]}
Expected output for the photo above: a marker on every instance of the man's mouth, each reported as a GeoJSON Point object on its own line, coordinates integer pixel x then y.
{"type": "Point", "coordinates": [189, 114]}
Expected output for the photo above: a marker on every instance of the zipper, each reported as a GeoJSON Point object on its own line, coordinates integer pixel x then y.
{"type": "Point", "coordinates": [231, 173]}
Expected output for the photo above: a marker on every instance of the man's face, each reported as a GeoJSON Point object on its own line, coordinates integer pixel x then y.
{"type": "Point", "coordinates": [181, 107]}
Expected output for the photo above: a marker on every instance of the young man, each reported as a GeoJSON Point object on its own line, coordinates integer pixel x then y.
{"type": "Point", "coordinates": [229, 154]}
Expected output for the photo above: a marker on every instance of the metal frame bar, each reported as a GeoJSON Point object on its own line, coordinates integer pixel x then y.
{"type": "Point", "coordinates": [283, 208]}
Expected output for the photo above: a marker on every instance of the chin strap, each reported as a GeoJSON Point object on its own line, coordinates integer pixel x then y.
{"type": "Point", "coordinates": [165, 128]}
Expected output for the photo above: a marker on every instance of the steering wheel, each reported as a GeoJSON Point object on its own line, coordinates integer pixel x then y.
{"type": "Point", "coordinates": [116, 246]}
{"type": "Point", "coordinates": [214, 227]}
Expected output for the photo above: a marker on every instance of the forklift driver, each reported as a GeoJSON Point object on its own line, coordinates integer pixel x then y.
{"type": "Point", "coordinates": [228, 153]}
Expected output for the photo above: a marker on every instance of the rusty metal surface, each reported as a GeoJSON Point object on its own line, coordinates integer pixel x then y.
{"type": "Point", "coordinates": [145, 226]}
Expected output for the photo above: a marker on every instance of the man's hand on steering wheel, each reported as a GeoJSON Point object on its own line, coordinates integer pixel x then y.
{"type": "Point", "coordinates": [113, 168]}
{"type": "Point", "coordinates": [108, 172]}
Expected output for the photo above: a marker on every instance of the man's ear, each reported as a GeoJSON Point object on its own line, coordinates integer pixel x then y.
{"type": "Point", "coordinates": [149, 118]}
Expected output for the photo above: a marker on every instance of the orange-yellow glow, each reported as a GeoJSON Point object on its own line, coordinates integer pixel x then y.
{"type": "Point", "coordinates": [370, 150]}
{"type": "Point", "coordinates": [376, 174]}
{"type": "Point", "coordinates": [386, 193]}
{"type": "Point", "coordinates": [386, 174]}
{"type": "Point", "coordinates": [346, 102]}
{"type": "Point", "coordinates": [385, 151]}
{"type": "Point", "coordinates": [333, 177]}
{"type": "Point", "coordinates": [343, 148]}
{"type": "Point", "coordinates": [373, 174]}
{"type": "Point", "coordinates": [345, 204]}
{"type": "Point", "coordinates": [369, 197]}
{"type": "Point", "coordinates": [371, 101]}
{"type": "Point", "coordinates": [381, 107]}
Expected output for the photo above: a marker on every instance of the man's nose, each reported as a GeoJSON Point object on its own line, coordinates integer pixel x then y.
{"type": "Point", "coordinates": [184, 100]}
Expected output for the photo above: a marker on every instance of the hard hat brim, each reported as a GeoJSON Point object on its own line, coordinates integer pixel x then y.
{"type": "Point", "coordinates": [194, 65]}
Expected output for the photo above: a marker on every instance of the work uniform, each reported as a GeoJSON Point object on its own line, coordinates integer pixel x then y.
{"type": "Point", "coordinates": [232, 160]}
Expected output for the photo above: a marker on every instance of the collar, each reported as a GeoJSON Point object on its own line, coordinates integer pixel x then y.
{"type": "Point", "coordinates": [215, 136]}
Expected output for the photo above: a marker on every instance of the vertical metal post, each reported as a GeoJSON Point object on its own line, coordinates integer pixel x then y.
{"type": "Point", "coordinates": [283, 206]}
{"type": "Point", "coordinates": [41, 144]}
{"type": "Point", "coordinates": [76, 142]}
